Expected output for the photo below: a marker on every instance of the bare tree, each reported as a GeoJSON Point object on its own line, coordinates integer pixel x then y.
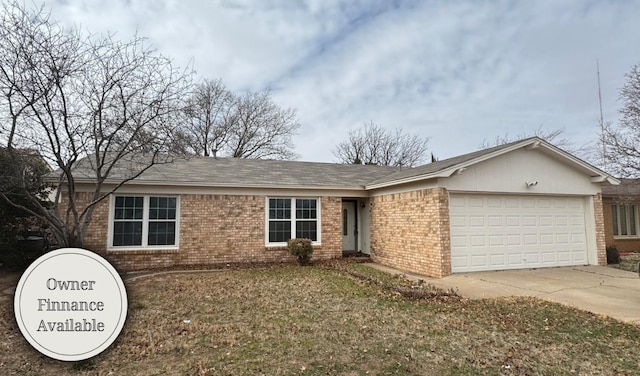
{"type": "Point", "coordinates": [623, 142]}
{"type": "Point", "coordinates": [70, 97]}
{"type": "Point", "coordinates": [259, 129]}
{"type": "Point", "coordinates": [373, 144]}
{"type": "Point", "coordinates": [553, 136]}
{"type": "Point", "coordinates": [208, 113]}
{"type": "Point", "coordinates": [247, 126]}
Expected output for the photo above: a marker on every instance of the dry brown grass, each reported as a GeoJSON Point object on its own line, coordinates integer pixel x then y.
{"type": "Point", "coordinates": [328, 320]}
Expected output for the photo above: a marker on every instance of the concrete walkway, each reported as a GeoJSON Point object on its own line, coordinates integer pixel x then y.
{"type": "Point", "coordinates": [598, 289]}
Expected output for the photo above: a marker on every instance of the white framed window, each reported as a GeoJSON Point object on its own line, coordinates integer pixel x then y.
{"type": "Point", "coordinates": [288, 218]}
{"type": "Point", "coordinates": [625, 220]}
{"type": "Point", "coordinates": [144, 221]}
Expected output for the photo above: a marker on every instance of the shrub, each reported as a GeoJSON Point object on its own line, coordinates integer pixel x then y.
{"type": "Point", "coordinates": [301, 248]}
{"type": "Point", "coordinates": [613, 257]}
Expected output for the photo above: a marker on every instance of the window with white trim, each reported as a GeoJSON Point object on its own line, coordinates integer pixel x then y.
{"type": "Point", "coordinates": [144, 221]}
{"type": "Point", "coordinates": [289, 218]}
{"type": "Point", "coordinates": [625, 220]}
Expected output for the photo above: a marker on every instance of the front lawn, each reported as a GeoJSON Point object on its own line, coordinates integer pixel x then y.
{"type": "Point", "coordinates": [344, 319]}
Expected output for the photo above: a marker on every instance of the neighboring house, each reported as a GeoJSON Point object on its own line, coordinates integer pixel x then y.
{"type": "Point", "coordinates": [526, 204]}
{"type": "Point", "coordinates": [620, 210]}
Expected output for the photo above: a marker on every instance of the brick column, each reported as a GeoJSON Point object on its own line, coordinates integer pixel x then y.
{"type": "Point", "coordinates": [601, 250]}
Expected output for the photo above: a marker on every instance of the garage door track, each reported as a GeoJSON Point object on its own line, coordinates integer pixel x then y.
{"type": "Point", "coordinates": [598, 289]}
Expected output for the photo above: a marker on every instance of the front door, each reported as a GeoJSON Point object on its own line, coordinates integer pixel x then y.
{"type": "Point", "coordinates": [349, 226]}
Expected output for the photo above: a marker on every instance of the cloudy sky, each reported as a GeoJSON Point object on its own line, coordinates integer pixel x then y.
{"type": "Point", "coordinates": [458, 72]}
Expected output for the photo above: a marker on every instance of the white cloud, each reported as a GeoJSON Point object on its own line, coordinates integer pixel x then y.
{"type": "Point", "coordinates": [458, 72]}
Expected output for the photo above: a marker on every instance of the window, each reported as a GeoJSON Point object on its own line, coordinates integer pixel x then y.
{"type": "Point", "coordinates": [292, 218]}
{"type": "Point", "coordinates": [144, 221]}
{"type": "Point", "coordinates": [624, 218]}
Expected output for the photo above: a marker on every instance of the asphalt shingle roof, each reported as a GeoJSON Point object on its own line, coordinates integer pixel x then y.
{"type": "Point", "coordinates": [231, 172]}
{"type": "Point", "coordinates": [627, 187]}
{"type": "Point", "coordinates": [209, 171]}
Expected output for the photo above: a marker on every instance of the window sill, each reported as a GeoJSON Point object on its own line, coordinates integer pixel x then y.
{"type": "Point", "coordinates": [631, 237]}
{"type": "Point", "coordinates": [283, 246]}
{"type": "Point", "coordinates": [141, 251]}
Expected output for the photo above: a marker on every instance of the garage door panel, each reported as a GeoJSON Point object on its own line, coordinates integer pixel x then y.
{"type": "Point", "coordinates": [511, 203]}
{"type": "Point", "coordinates": [545, 221]}
{"type": "Point", "coordinates": [458, 221]}
{"type": "Point", "coordinates": [512, 221]}
{"type": "Point", "coordinates": [530, 239]}
{"type": "Point", "coordinates": [514, 240]}
{"type": "Point", "coordinates": [477, 241]}
{"type": "Point", "coordinates": [577, 238]}
{"type": "Point", "coordinates": [528, 203]}
{"type": "Point", "coordinates": [579, 256]}
{"type": "Point", "coordinates": [479, 260]}
{"type": "Point", "coordinates": [496, 240]}
{"type": "Point", "coordinates": [559, 203]}
{"type": "Point", "coordinates": [476, 202]}
{"type": "Point", "coordinates": [476, 221]}
{"type": "Point", "coordinates": [564, 256]}
{"type": "Point", "coordinates": [529, 220]}
{"type": "Point", "coordinates": [457, 201]}
{"type": "Point", "coordinates": [544, 203]}
{"type": "Point", "coordinates": [494, 203]}
{"type": "Point", "coordinates": [497, 259]}
{"type": "Point", "coordinates": [515, 259]}
{"type": "Point", "coordinates": [495, 220]}
{"type": "Point", "coordinates": [492, 232]}
{"type": "Point", "coordinates": [547, 239]}
{"type": "Point", "coordinates": [458, 241]}
{"type": "Point", "coordinates": [577, 221]}
{"type": "Point", "coordinates": [562, 239]}
{"type": "Point", "coordinates": [532, 258]}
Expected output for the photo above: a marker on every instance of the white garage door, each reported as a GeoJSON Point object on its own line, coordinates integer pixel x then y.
{"type": "Point", "coordinates": [494, 232]}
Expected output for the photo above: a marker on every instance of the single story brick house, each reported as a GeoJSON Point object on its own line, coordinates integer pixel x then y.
{"type": "Point", "coordinates": [526, 204]}
{"type": "Point", "coordinates": [620, 210]}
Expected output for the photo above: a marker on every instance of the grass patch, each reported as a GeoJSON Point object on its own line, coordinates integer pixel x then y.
{"type": "Point", "coordinates": [339, 318]}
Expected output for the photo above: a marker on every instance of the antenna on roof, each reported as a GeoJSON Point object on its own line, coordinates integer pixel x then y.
{"type": "Point", "coordinates": [604, 146]}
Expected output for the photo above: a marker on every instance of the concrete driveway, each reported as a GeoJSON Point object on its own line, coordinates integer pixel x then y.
{"type": "Point", "coordinates": [598, 289]}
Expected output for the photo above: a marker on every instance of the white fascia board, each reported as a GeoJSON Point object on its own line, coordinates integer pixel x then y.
{"type": "Point", "coordinates": [597, 175]}
{"type": "Point", "coordinates": [205, 185]}
{"type": "Point", "coordinates": [605, 179]}
{"type": "Point", "coordinates": [410, 179]}
{"type": "Point", "coordinates": [168, 188]}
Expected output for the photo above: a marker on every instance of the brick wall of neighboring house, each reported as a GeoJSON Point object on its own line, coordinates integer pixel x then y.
{"type": "Point", "coordinates": [622, 244]}
{"type": "Point", "coordinates": [217, 229]}
{"type": "Point", "coordinates": [410, 231]}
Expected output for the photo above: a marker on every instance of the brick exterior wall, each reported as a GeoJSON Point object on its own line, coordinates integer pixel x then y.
{"type": "Point", "coordinates": [622, 244]}
{"type": "Point", "coordinates": [410, 231]}
{"type": "Point", "coordinates": [216, 229]}
{"type": "Point", "coordinates": [600, 229]}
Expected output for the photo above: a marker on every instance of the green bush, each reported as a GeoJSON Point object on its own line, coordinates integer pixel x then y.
{"type": "Point", "coordinates": [301, 248]}
{"type": "Point", "coordinates": [613, 256]}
